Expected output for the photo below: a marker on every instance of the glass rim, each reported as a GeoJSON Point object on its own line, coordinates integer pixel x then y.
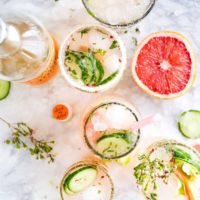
{"type": "Point", "coordinates": [124, 25]}
{"type": "Point", "coordinates": [94, 163]}
{"type": "Point", "coordinates": [165, 142]}
{"type": "Point", "coordinates": [93, 149]}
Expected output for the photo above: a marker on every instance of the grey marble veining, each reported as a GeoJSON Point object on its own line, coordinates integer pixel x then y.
{"type": "Point", "coordinates": [22, 177]}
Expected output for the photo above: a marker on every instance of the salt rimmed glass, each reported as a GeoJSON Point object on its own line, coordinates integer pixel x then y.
{"type": "Point", "coordinates": [84, 31]}
{"type": "Point", "coordinates": [102, 188]}
{"type": "Point", "coordinates": [113, 103]}
{"type": "Point", "coordinates": [162, 150]}
{"type": "Point", "coordinates": [117, 13]}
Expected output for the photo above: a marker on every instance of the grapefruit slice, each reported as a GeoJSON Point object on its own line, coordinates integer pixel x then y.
{"type": "Point", "coordinates": [197, 147]}
{"type": "Point", "coordinates": [164, 65]}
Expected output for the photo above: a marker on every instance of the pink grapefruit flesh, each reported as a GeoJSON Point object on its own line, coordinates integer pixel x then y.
{"type": "Point", "coordinates": [164, 65]}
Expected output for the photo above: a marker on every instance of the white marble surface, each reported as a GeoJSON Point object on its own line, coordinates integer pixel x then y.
{"type": "Point", "coordinates": [22, 177]}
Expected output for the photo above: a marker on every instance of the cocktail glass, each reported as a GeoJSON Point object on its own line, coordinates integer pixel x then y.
{"type": "Point", "coordinates": [117, 13]}
{"type": "Point", "coordinates": [179, 156]}
{"type": "Point", "coordinates": [107, 127]}
{"type": "Point", "coordinates": [105, 45]}
{"type": "Point", "coordinates": [101, 188]}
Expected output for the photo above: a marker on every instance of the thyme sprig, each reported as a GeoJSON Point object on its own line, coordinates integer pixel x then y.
{"type": "Point", "coordinates": [148, 171]}
{"type": "Point", "coordinates": [22, 138]}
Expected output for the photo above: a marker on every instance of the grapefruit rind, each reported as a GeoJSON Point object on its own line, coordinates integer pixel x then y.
{"type": "Point", "coordinates": [193, 67]}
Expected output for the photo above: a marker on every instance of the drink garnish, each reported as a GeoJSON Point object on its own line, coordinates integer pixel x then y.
{"type": "Point", "coordinates": [148, 171]}
{"type": "Point", "coordinates": [22, 138]}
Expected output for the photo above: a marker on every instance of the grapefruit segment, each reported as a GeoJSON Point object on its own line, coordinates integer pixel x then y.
{"type": "Point", "coordinates": [164, 65]}
{"type": "Point", "coordinates": [197, 147]}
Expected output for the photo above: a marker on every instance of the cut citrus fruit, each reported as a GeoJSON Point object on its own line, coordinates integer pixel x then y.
{"type": "Point", "coordinates": [164, 65]}
{"type": "Point", "coordinates": [197, 147]}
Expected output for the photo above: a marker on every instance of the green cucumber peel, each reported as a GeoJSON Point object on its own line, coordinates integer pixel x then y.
{"type": "Point", "coordinates": [84, 71]}
{"type": "Point", "coordinates": [120, 135]}
{"type": "Point", "coordinates": [109, 78]}
{"type": "Point", "coordinates": [181, 155]}
{"type": "Point", "coordinates": [92, 70]}
{"type": "Point", "coordinates": [71, 176]}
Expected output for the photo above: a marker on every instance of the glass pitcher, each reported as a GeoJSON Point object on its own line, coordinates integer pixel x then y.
{"type": "Point", "coordinates": [27, 51]}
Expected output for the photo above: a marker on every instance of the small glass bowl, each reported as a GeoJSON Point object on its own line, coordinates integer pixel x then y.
{"type": "Point", "coordinates": [98, 10]}
{"type": "Point", "coordinates": [89, 135]}
{"type": "Point", "coordinates": [102, 188]}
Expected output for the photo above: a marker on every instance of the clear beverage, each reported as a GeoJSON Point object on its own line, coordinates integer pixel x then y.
{"type": "Point", "coordinates": [107, 128]}
{"type": "Point", "coordinates": [183, 159]}
{"type": "Point", "coordinates": [93, 58]}
{"type": "Point", "coordinates": [100, 189]}
{"type": "Point", "coordinates": [26, 49]}
{"type": "Point", "coordinates": [118, 12]}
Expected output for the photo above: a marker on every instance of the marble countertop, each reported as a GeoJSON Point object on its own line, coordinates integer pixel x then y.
{"type": "Point", "coordinates": [24, 178]}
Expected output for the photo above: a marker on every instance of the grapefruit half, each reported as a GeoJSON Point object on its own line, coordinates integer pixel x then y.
{"type": "Point", "coordinates": [164, 65]}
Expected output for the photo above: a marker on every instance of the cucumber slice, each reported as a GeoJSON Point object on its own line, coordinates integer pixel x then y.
{"type": "Point", "coordinates": [113, 145]}
{"type": "Point", "coordinates": [90, 69]}
{"type": "Point", "coordinates": [85, 65]}
{"type": "Point", "coordinates": [99, 72]}
{"type": "Point", "coordinates": [4, 89]}
{"type": "Point", "coordinates": [72, 67]}
{"type": "Point", "coordinates": [67, 191]}
{"type": "Point", "coordinates": [98, 69]}
{"type": "Point", "coordinates": [189, 124]}
{"type": "Point", "coordinates": [80, 179]}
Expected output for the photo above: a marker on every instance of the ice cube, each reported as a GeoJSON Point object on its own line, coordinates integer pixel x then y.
{"type": "Point", "coordinates": [112, 62]}
{"type": "Point", "coordinates": [78, 40]}
{"type": "Point", "coordinates": [92, 193]}
{"type": "Point", "coordinates": [96, 40]}
{"type": "Point", "coordinates": [119, 117]}
{"type": "Point", "coordinates": [99, 123]}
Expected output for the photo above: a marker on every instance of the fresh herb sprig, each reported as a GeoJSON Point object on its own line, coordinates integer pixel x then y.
{"type": "Point", "coordinates": [114, 44]}
{"type": "Point", "coordinates": [148, 171]}
{"type": "Point", "coordinates": [21, 133]}
{"type": "Point", "coordinates": [84, 31]}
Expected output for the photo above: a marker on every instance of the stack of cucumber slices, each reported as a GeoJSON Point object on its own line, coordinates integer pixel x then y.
{"type": "Point", "coordinates": [86, 67]}
{"type": "Point", "coordinates": [79, 179]}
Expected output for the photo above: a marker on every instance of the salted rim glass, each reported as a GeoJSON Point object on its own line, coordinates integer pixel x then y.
{"type": "Point", "coordinates": [104, 21]}
{"type": "Point", "coordinates": [108, 100]}
{"type": "Point", "coordinates": [76, 84]}
{"type": "Point", "coordinates": [101, 171]}
{"type": "Point", "coordinates": [167, 143]}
